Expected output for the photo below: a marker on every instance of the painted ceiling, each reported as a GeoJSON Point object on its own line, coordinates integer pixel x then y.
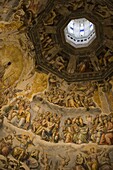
{"type": "Point", "coordinates": [56, 100]}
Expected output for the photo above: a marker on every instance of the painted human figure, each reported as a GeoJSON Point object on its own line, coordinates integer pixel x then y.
{"type": "Point", "coordinates": [107, 135]}
{"type": "Point", "coordinates": [95, 61]}
{"type": "Point", "coordinates": [92, 160]}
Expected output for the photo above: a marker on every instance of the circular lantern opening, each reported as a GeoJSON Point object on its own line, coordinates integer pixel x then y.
{"type": "Point", "coordinates": [80, 33]}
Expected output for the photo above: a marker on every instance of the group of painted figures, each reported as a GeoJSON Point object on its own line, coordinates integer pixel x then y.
{"type": "Point", "coordinates": [69, 99]}
{"type": "Point", "coordinates": [72, 63]}
{"type": "Point", "coordinates": [18, 112]}
{"type": "Point", "coordinates": [53, 53]}
{"type": "Point", "coordinates": [95, 130]}
{"type": "Point", "coordinates": [19, 156]}
{"type": "Point", "coordinates": [50, 127]}
{"type": "Point", "coordinates": [22, 157]}
{"type": "Point", "coordinates": [93, 161]}
{"type": "Point", "coordinates": [47, 126]}
{"type": "Point", "coordinates": [70, 95]}
{"type": "Point", "coordinates": [19, 151]}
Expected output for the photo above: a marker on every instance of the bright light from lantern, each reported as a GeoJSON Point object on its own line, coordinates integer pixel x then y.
{"type": "Point", "coordinates": [80, 32]}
